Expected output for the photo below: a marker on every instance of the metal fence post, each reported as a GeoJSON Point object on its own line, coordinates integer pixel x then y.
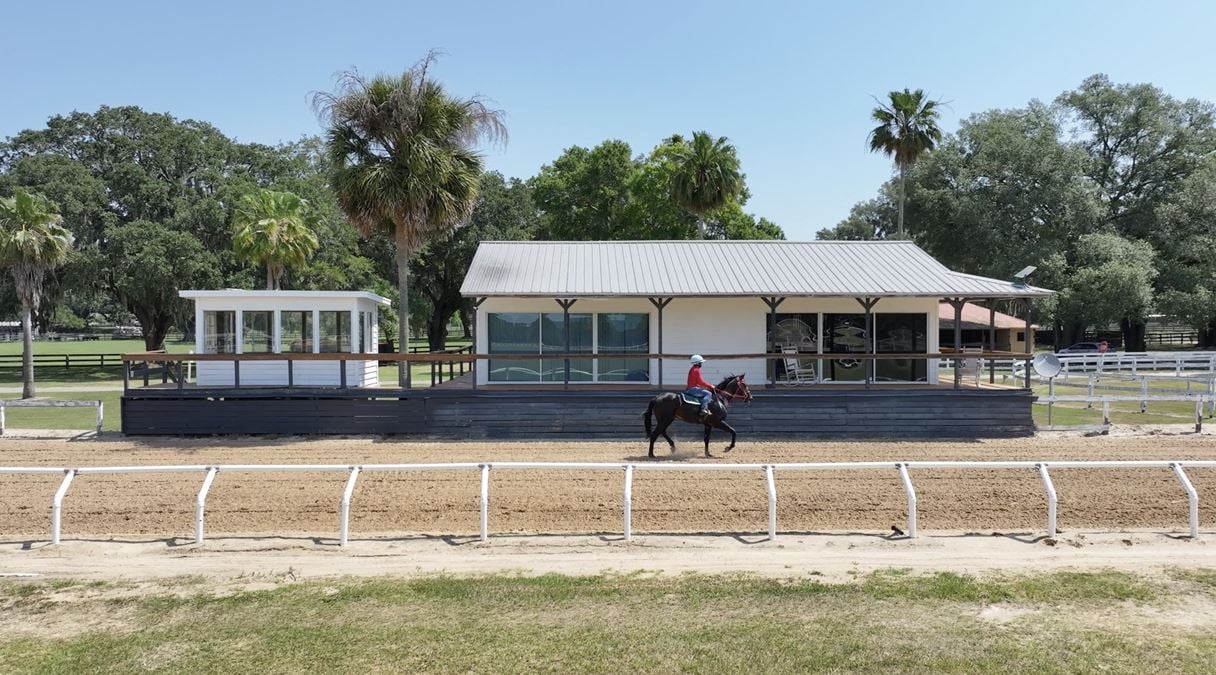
{"type": "Point", "coordinates": [200, 504]}
{"type": "Point", "coordinates": [911, 492]}
{"type": "Point", "coordinates": [1050, 489]}
{"type": "Point", "coordinates": [772, 502]}
{"type": "Point", "coordinates": [485, 502]}
{"type": "Point", "coordinates": [344, 507]}
{"type": "Point", "coordinates": [628, 524]}
{"type": "Point", "coordinates": [57, 504]}
{"type": "Point", "coordinates": [1192, 497]}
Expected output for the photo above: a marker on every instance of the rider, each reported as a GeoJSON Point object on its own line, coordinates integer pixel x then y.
{"type": "Point", "coordinates": [698, 387]}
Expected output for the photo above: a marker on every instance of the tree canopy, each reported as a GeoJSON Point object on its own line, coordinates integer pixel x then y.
{"type": "Point", "coordinates": [1108, 190]}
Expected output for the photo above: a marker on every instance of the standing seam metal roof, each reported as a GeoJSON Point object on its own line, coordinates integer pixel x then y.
{"type": "Point", "coordinates": [567, 269]}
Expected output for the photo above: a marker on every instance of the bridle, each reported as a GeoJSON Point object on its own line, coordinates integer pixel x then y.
{"type": "Point", "coordinates": [741, 393]}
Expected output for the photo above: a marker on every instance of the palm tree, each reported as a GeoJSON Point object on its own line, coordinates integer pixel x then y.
{"type": "Point", "coordinates": [273, 229]}
{"type": "Point", "coordinates": [907, 128]}
{"type": "Point", "coordinates": [32, 241]}
{"type": "Point", "coordinates": [403, 161]}
{"type": "Point", "coordinates": [707, 175]}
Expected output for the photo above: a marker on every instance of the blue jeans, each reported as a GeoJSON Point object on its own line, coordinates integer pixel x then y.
{"type": "Point", "coordinates": [703, 394]}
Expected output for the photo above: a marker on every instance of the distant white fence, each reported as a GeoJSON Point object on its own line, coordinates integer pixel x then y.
{"type": "Point", "coordinates": [1132, 362]}
{"type": "Point", "coordinates": [629, 469]}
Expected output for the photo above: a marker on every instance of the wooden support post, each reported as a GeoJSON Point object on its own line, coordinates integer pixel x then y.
{"type": "Point", "coordinates": [991, 340]}
{"type": "Point", "coordinates": [957, 304]}
{"type": "Point", "coordinates": [868, 305]}
{"type": "Point", "coordinates": [236, 374]}
{"type": "Point", "coordinates": [660, 304]}
{"type": "Point", "coordinates": [476, 302]}
{"type": "Point", "coordinates": [1029, 304]}
{"type": "Point", "coordinates": [565, 305]}
{"type": "Point", "coordinates": [772, 303]}
{"type": "Point", "coordinates": [291, 373]}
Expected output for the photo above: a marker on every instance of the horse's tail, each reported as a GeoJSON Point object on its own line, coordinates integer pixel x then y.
{"type": "Point", "coordinates": [647, 416]}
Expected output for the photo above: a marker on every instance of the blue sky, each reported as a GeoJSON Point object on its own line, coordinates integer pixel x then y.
{"type": "Point", "coordinates": [790, 83]}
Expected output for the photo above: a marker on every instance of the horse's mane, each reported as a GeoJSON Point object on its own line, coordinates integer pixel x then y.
{"type": "Point", "coordinates": [729, 379]}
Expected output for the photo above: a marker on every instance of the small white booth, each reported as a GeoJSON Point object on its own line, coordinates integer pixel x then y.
{"type": "Point", "coordinates": [287, 322]}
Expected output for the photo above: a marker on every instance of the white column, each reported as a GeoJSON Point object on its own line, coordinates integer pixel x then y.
{"type": "Point", "coordinates": [316, 331]}
{"type": "Point", "coordinates": [354, 331]}
{"type": "Point", "coordinates": [199, 329]}
{"type": "Point", "coordinates": [276, 332]}
{"type": "Point", "coordinates": [240, 331]}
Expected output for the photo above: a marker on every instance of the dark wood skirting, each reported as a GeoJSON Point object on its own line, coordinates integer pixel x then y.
{"type": "Point", "coordinates": [860, 414]}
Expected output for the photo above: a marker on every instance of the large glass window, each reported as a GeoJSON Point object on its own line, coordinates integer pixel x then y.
{"type": "Point", "coordinates": [901, 334]}
{"type": "Point", "coordinates": [553, 340]}
{"type": "Point", "coordinates": [256, 332]}
{"type": "Point", "coordinates": [796, 335]}
{"type": "Point", "coordinates": [295, 332]}
{"type": "Point", "coordinates": [335, 332]}
{"type": "Point", "coordinates": [845, 334]}
{"type": "Point", "coordinates": [624, 333]}
{"type": "Point", "coordinates": [514, 333]}
{"type": "Point", "coordinates": [219, 332]}
{"type": "Point", "coordinates": [366, 334]}
{"type": "Point", "coordinates": [530, 333]}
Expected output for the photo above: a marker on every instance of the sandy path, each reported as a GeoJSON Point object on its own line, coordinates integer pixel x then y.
{"type": "Point", "coordinates": [559, 502]}
{"type": "Point", "coordinates": [831, 558]}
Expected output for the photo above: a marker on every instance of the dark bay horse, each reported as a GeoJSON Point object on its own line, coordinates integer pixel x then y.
{"type": "Point", "coordinates": [670, 406]}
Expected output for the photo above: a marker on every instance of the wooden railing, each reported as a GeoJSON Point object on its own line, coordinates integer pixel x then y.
{"type": "Point", "coordinates": [461, 360]}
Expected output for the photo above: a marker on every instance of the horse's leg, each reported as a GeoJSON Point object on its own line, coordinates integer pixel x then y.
{"type": "Point", "coordinates": [725, 427]}
{"type": "Point", "coordinates": [670, 443]}
{"type": "Point", "coordinates": [708, 430]}
{"type": "Point", "coordinates": [654, 435]}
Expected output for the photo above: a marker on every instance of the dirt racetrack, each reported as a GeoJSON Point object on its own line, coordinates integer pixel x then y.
{"type": "Point", "coordinates": [443, 503]}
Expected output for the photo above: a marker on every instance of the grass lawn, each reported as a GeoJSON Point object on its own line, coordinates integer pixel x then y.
{"type": "Point", "coordinates": [93, 347]}
{"type": "Point", "coordinates": [1122, 412]}
{"type": "Point", "coordinates": [67, 418]}
{"type": "Point", "coordinates": [890, 621]}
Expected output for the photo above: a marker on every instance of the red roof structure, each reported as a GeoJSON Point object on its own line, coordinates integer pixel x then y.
{"type": "Point", "coordinates": [976, 317]}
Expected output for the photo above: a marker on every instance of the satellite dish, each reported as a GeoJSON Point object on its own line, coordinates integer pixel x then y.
{"type": "Point", "coordinates": [1047, 365]}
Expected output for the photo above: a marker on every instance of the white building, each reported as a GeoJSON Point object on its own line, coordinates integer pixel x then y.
{"type": "Point", "coordinates": [287, 322]}
{"type": "Point", "coordinates": [713, 297]}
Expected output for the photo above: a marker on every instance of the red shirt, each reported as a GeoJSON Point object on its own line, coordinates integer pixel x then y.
{"type": "Point", "coordinates": [695, 379]}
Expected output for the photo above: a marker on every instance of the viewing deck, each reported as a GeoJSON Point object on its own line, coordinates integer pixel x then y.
{"type": "Point", "coordinates": [454, 408]}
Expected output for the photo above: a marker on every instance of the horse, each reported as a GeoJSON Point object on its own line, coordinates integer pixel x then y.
{"type": "Point", "coordinates": [670, 406]}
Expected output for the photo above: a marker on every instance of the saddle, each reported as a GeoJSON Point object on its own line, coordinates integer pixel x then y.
{"type": "Point", "coordinates": [690, 400]}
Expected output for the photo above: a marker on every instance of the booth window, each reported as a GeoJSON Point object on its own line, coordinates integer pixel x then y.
{"type": "Point", "coordinates": [845, 334]}
{"type": "Point", "coordinates": [514, 333]}
{"type": "Point", "coordinates": [620, 334]}
{"type": "Point", "coordinates": [256, 332]}
{"type": "Point", "coordinates": [553, 340]}
{"type": "Point", "coordinates": [219, 332]}
{"type": "Point", "coordinates": [901, 334]}
{"type": "Point", "coordinates": [295, 332]}
{"type": "Point", "coordinates": [366, 338]}
{"type": "Point", "coordinates": [335, 332]}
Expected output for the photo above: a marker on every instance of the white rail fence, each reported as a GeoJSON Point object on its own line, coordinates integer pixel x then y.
{"type": "Point", "coordinates": [485, 469]}
{"type": "Point", "coordinates": [1132, 362]}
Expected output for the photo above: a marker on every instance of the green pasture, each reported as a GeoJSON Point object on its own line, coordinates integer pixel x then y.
{"type": "Point", "coordinates": [891, 621]}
